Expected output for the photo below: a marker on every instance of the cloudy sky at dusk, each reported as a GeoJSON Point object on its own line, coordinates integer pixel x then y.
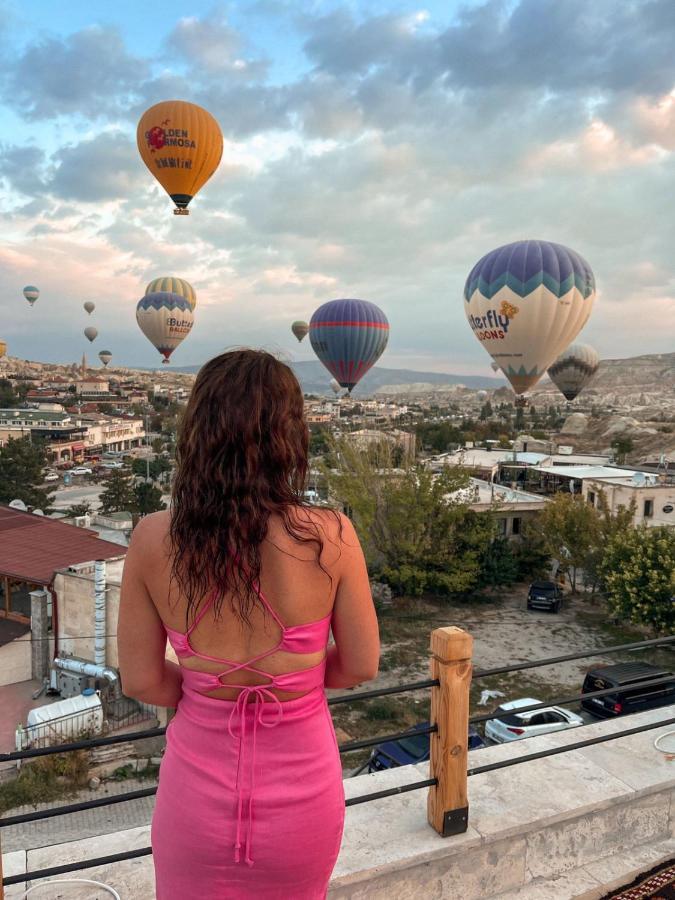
{"type": "Point", "coordinates": [372, 150]}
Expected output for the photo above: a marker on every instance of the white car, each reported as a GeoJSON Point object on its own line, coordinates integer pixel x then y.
{"type": "Point", "coordinates": [112, 464]}
{"type": "Point", "coordinates": [51, 476]}
{"type": "Point", "coordinates": [511, 725]}
{"type": "Point", "coordinates": [80, 470]}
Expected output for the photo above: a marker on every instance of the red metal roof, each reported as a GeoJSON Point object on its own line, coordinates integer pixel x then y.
{"type": "Point", "coordinates": [32, 547]}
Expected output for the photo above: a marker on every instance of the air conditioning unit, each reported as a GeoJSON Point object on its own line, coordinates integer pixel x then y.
{"type": "Point", "coordinates": [83, 521]}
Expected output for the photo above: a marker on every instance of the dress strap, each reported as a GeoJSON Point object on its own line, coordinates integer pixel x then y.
{"type": "Point", "coordinates": [202, 612]}
{"type": "Point", "coordinates": [268, 607]}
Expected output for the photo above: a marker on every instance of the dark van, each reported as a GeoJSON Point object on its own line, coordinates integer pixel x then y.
{"type": "Point", "coordinates": [631, 695]}
{"type": "Point", "coordinates": [544, 595]}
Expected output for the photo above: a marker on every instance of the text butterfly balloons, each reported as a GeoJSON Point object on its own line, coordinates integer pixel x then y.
{"type": "Point", "coordinates": [348, 336]}
{"type": "Point", "coordinates": [525, 303]}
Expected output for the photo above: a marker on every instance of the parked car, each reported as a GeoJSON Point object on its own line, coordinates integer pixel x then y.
{"type": "Point", "coordinates": [630, 696]}
{"type": "Point", "coordinates": [544, 595]}
{"type": "Point", "coordinates": [409, 750]}
{"type": "Point", "coordinates": [81, 470]}
{"type": "Point", "coordinates": [511, 725]}
{"type": "Point", "coordinates": [51, 476]}
{"type": "Point", "coordinates": [112, 464]}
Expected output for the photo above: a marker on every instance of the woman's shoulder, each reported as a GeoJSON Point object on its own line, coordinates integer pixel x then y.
{"type": "Point", "coordinates": [151, 532]}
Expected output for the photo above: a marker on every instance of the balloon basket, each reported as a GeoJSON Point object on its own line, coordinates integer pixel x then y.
{"type": "Point", "coordinates": [181, 212]}
{"type": "Point", "coordinates": [521, 402]}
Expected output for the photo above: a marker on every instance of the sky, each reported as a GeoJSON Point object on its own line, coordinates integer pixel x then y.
{"type": "Point", "coordinates": [372, 149]}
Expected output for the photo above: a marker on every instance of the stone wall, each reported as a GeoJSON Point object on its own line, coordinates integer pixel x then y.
{"type": "Point", "coordinates": [15, 664]}
{"type": "Point", "coordinates": [75, 598]}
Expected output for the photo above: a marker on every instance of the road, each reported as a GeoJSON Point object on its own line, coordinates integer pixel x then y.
{"type": "Point", "coordinates": [66, 497]}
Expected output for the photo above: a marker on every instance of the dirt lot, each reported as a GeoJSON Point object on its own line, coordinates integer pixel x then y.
{"type": "Point", "coordinates": [504, 632]}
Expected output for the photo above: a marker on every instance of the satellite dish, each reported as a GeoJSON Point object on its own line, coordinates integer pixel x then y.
{"type": "Point", "coordinates": [38, 512]}
{"type": "Point", "coordinates": [18, 504]}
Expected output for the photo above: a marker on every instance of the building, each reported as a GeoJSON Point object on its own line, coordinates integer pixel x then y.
{"type": "Point", "coordinates": [64, 435]}
{"type": "Point", "coordinates": [654, 498]}
{"type": "Point", "coordinates": [511, 508]}
{"type": "Point", "coordinates": [92, 387]}
{"type": "Point", "coordinates": [367, 437]}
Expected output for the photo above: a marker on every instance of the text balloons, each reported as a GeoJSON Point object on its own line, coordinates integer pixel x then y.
{"type": "Point", "coordinates": [174, 286]}
{"type": "Point", "coordinates": [89, 306]}
{"type": "Point", "coordinates": [182, 145]}
{"type": "Point", "coordinates": [105, 356]}
{"type": "Point", "coordinates": [574, 369]}
{"type": "Point", "coordinates": [348, 336]}
{"type": "Point", "coordinates": [91, 333]}
{"type": "Point", "coordinates": [31, 293]}
{"type": "Point", "coordinates": [165, 319]}
{"type": "Point", "coordinates": [525, 303]}
{"type": "Point", "coordinates": [300, 329]}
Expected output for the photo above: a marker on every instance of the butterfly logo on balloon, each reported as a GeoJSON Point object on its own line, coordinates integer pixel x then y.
{"type": "Point", "coordinates": [508, 310]}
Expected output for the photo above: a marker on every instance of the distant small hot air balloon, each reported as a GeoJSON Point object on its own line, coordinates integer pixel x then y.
{"type": "Point", "coordinates": [348, 336]}
{"type": "Point", "coordinates": [300, 329]}
{"type": "Point", "coordinates": [481, 395]}
{"type": "Point", "coordinates": [182, 145]}
{"type": "Point", "coordinates": [174, 286]}
{"type": "Point", "coordinates": [3, 349]}
{"type": "Point", "coordinates": [335, 386]}
{"type": "Point", "coordinates": [91, 333]}
{"type": "Point", "coordinates": [574, 369]}
{"type": "Point", "coordinates": [165, 319]}
{"type": "Point", "coordinates": [105, 356]}
{"type": "Point", "coordinates": [89, 306]}
{"type": "Point", "coordinates": [526, 302]}
{"type": "Point", "coordinates": [31, 293]}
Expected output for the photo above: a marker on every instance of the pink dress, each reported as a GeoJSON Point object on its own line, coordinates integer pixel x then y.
{"type": "Point", "coordinates": [250, 801]}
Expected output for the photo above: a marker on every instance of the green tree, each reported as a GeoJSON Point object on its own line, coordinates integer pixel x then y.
{"type": "Point", "coordinates": [486, 411]}
{"type": "Point", "coordinates": [157, 445]}
{"type": "Point", "coordinates": [638, 570]}
{"type": "Point", "coordinates": [622, 446]}
{"type": "Point", "coordinates": [571, 531]}
{"type": "Point", "coordinates": [78, 509]}
{"type": "Point", "coordinates": [499, 563]}
{"type": "Point", "coordinates": [519, 421]}
{"type": "Point", "coordinates": [319, 440]}
{"type": "Point", "coordinates": [119, 494]}
{"type": "Point", "coordinates": [148, 498]}
{"type": "Point", "coordinates": [9, 398]}
{"type": "Point", "coordinates": [22, 470]}
{"type": "Point", "coordinates": [609, 525]}
{"type": "Point", "coordinates": [417, 530]}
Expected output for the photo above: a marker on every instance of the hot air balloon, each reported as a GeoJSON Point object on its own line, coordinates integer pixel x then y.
{"type": "Point", "coordinates": [31, 293]}
{"type": "Point", "coordinates": [181, 144]}
{"type": "Point", "coordinates": [174, 286]}
{"type": "Point", "coordinates": [91, 333]}
{"type": "Point", "coordinates": [105, 356]}
{"type": "Point", "coordinates": [3, 349]}
{"type": "Point", "coordinates": [165, 319]}
{"type": "Point", "coordinates": [481, 395]}
{"type": "Point", "coordinates": [348, 336]}
{"type": "Point", "coordinates": [300, 329]}
{"type": "Point", "coordinates": [574, 369]}
{"type": "Point", "coordinates": [335, 386]}
{"type": "Point", "coordinates": [89, 306]}
{"type": "Point", "coordinates": [525, 303]}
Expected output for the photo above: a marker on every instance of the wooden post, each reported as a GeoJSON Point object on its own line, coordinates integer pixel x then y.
{"type": "Point", "coordinates": [448, 806]}
{"type": "Point", "coordinates": [2, 890]}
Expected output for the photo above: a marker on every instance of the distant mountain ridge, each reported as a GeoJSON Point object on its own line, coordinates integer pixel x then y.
{"type": "Point", "coordinates": [315, 379]}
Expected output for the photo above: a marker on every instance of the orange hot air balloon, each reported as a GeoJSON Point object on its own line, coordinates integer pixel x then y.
{"type": "Point", "coordinates": [182, 145]}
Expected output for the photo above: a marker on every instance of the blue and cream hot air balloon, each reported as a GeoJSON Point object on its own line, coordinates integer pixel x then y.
{"type": "Point", "coordinates": [173, 285]}
{"type": "Point", "coordinates": [165, 319]}
{"type": "Point", "coordinates": [526, 302]}
{"type": "Point", "coordinates": [31, 293]}
{"type": "Point", "coordinates": [348, 336]}
{"type": "Point", "coordinates": [574, 369]}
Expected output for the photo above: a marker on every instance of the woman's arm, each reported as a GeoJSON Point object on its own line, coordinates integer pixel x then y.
{"type": "Point", "coordinates": [355, 656]}
{"type": "Point", "coordinates": [141, 640]}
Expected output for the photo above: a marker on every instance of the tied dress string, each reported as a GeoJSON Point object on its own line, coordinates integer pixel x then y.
{"type": "Point", "coordinates": [311, 637]}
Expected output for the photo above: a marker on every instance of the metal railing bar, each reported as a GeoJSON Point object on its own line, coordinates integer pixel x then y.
{"type": "Point", "coordinates": [391, 792]}
{"type": "Point", "coordinates": [577, 745]}
{"type": "Point", "coordinates": [8, 821]}
{"type": "Point", "coordinates": [576, 698]}
{"type": "Point", "coordinates": [350, 746]}
{"type": "Point", "coordinates": [87, 744]}
{"type": "Point", "coordinates": [552, 660]}
{"type": "Point", "coordinates": [383, 692]}
{"type": "Point", "coordinates": [76, 866]}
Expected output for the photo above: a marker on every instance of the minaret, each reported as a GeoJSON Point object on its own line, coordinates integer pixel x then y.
{"type": "Point", "coordinates": [83, 367]}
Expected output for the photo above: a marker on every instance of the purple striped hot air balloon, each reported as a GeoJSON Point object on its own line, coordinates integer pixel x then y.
{"type": "Point", "coordinates": [348, 336]}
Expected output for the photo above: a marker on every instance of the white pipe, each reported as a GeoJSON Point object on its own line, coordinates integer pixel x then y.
{"type": "Point", "coordinates": [99, 612]}
{"type": "Point", "coordinates": [82, 667]}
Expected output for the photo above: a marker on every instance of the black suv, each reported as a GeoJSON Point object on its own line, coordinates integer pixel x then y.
{"type": "Point", "coordinates": [544, 595]}
{"type": "Point", "coordinates": [630, 696]}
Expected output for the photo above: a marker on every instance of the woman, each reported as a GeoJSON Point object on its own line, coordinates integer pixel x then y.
{"type": "Point", "coordinates": [245, 579]}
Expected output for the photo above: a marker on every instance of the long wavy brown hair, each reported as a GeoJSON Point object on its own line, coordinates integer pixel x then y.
{"type": "Point", "coordinates": [242, 456]}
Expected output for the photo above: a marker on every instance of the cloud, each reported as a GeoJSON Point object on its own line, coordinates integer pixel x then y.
{"type": "Point", "coordinates": [89, 73]}
{"type": "Point", "coordinates": [106, 167]}
{"type": "Point", "coordinates": [21, 168]}
{"type": "Point", "coordinates": [212, 47]}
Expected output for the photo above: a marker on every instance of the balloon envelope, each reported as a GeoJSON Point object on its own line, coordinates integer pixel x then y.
{"type": "Point", "coordinates": [3, 349]}
{"type": "Point", "coordinates": [526, 302]}
{"type": "Point", "coordinates": [174, 286]}
{"type": "Point", "coordinates": [31, 293]}
{"type": "Point", "coordinates": [165, 319]}
{"type": "Point", "coordinates": [348, 336]}
{"type": "Point", "coordinates": [574, 369]}
{"type": "Point", "coordinates": [335, 386]}
{"type": "Point", "coordinates": [182, 145]}
{"type": "Point", "coordinates": [105, 356]}
{"type": "Point", "coordinates": [300, 329]}
{"type": "Point", "coordinates": [91, 333]}
{"type": "Point", "coordinates": [89, 306]}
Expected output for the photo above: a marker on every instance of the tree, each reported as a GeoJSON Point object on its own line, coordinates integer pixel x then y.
{"type": "Point", "coordinates": [486, 411]}
{"type": "Point", "coordinates": [638, 570]}
{"type": "Point", "coordinates": [22, 469]}
{"type": "Point", "coordinates": [148, 498]}
{"type": "Point", "coordinates": [622, 446]}
{"type": "Point", "coordinates": [417, 530]}
{"type": "Point", "coordinates": [157, 445]}
{"type": "Point", "coordinates": [519, 421]}
{"type": "Point", "coordinates": [571, 531]}
{"type": "Point", "coordinates": [9, 399]}
{"type": "Point", "coordinates": [609, 525]}
{"type": "Point", "coordinates": [319, 440]}
{"type": "Point", "coordinates": [77, 510]}
{"type": "Point", "coordinates": [119, 494]}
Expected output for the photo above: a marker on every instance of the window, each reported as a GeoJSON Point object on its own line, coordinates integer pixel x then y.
{"type": "Point", "coordinates": [591, 498]}
{"type": "Point", "coordinates": [648, 509]}
{"type": "Point", "coordinates": [515, 527]}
